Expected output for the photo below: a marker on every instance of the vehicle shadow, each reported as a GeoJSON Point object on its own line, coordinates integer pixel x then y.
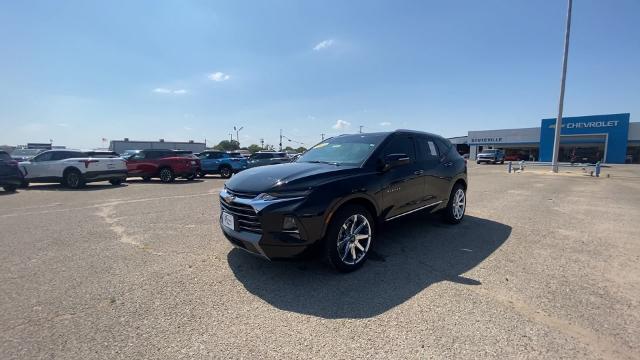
{"type": "Point", "coordinates": [410, 254]}
{"type": "Point", "coordinates": [158, 182]}
{"type": "Point", "coordinates": [60, 187]}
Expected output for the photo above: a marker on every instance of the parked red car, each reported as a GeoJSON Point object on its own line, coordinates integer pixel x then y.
{"type": "Point", "coordinates": [161, 163]}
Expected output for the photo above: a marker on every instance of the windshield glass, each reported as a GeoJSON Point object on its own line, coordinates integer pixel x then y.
{"type": "Point", "coordinates": [488, 151]}
{"type": "Point", "coordinates": [343, 150]}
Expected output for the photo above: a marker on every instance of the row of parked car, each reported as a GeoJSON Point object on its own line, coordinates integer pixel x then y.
{"type": "Point", "coordinates": [74, 168]}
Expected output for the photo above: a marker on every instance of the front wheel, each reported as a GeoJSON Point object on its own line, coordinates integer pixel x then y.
{"type": "Point", "coordinates": [191, 177]}
{"type": "Point", "coordinates": [166, 175]}
{"type": "Point", "coordinates": [225, 172]}
{"type": "Point", "coordinates": [349, 238]}
{"type": "Point", "coordinates": [116, 182]}
{"type": "Point", "coordinates": [201, 174]}
{"type": "Point", "coordinates": [454, 212]}
{"type": "Point", "coordinates": [10, 188]}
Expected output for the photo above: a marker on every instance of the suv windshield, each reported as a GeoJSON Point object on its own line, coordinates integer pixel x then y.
{"type": "Point", "coordinates": [491, 151]}
{"type": "Point", "coordinates": [343, 150]}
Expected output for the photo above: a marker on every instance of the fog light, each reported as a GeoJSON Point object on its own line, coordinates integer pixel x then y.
{"type": "Point", "coordinates": [289, 224]}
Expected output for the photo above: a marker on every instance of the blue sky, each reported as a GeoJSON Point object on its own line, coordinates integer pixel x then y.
{"type": "Point", "coordinates": [80, 71]}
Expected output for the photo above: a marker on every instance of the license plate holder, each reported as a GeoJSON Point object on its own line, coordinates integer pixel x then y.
{"type": "Point", "coordinates": [228, 220]}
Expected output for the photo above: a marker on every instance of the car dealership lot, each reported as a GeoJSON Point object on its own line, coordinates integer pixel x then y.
{"type": "Point", "coordinates": [543, 266]}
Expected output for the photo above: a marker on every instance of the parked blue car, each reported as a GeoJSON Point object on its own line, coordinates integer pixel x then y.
{"type": "Point", "coordinates": [220, 162]}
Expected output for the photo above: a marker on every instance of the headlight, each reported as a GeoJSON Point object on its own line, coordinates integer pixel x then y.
{"type": "Point", "coordinates": [283, 195]}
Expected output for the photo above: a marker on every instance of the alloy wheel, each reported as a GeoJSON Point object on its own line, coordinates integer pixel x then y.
{"type": "Point", "coordinates": [73, 179]}
{"type": "Point", "coordinates": [165, 175]}
{"type": "Point", "coordinates": [354, 239]}
{"type": "Point", "coordinates": [459, 203]}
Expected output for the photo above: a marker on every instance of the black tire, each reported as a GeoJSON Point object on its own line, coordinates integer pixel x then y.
{"type": "Point", "coordinates": [201, 174]}
{"type": "Point", "coordinates": [478, 162]}
{"type": "Point", "coordinates": [116, 182]}
{"type": "Point", "coordinates": [191, 177]}
{"type": "Point", "coordinates": [10, 188]}
{"type": "Point", "coordinates": [167, 175]}
{"type": "Point", "coordinates": [146, 178]}
{"type": "Point", "coordinates": [24, 184]}
{"type": "Point", "coordinates": [454, 212]}
{"type": "Point", "coordinates": [73, 179]}
{"type": "Point", "coordinates": [225, 171]}
{"type": "Point", "coordinates": [340, 245]}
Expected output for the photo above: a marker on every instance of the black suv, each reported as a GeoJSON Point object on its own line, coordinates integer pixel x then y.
{"type": "Point", "coordinates": [335, 194]}
{"type": "Point", "coordinates": [10, 175]}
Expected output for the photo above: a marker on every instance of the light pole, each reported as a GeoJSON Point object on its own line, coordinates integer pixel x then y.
{"type": "Point", "coordinates": [361, 129]}
{"type": "Point", "coordinates": [237, 130]}
{"type": "Point", "coordinates": [231, 137]}
{"type": "Point", "coordinates": [565, 58]}
{"type": "Point", "coordinates": [322, 137]}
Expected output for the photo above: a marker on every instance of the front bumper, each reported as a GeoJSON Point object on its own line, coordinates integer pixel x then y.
{"type": "Point", "coordinates": [261, 233]}
{"type": "Point", "coordinates": [10, 180]}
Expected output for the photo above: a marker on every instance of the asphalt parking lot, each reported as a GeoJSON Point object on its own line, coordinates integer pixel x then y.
{"type": "Point", "coordinates": [543, 266]}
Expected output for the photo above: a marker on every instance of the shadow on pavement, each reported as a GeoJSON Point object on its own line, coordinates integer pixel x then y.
{"type": "Point", "coordinates": [60, 187]}
{"type": "Point", "coordinates": [177, 181]}
{"type": "Point", "coordinates": [409, 255]}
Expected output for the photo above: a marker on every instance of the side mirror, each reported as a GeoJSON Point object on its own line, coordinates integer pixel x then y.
{"type": "Point", "coordinates": [394, 160]}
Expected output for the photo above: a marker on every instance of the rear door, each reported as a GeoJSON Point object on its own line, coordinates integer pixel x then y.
{"type": "Point", "coordinates": [436, 182]}
{"type": "Point", "coordinates": [402, 186]}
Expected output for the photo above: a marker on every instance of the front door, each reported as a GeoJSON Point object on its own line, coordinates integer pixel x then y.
{"type": "Point", "coordinates": [402, 186]}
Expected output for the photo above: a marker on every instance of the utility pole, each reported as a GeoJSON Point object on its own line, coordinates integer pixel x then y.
{"type": "Point", "coordinates": [280, 139]}
{"type": "Point", "coordinates": [361, 129]}
{"type": "Point", "coordinates": [237, 130]}
{"type": "Point", "coordinates": [231, 137]}
{"type": "Point", "coordinates": [565, 58]}
{"type": "Point", "coordinates": [322, 137]}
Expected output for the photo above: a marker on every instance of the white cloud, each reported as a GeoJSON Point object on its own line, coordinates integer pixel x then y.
{"type": "Point", "coordinates": [324, 44]}
{"type": "Point", "coordinates": [218, 76]}
{"type": "Point", "coordinates": [170, 91]}
{"type": "Point", "coordinates": [385, 123]}
{"type": "Point", "coordinates": [341, 125]}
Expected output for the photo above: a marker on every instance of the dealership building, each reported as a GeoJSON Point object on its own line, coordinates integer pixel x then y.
{"type": "Point", "coordinates": [608, 138]}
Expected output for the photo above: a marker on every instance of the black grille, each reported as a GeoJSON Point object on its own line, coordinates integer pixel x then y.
{"type": "Point", "coordinates": [245, 215]}
{"type": "Point", "coordinates": [242, 195]}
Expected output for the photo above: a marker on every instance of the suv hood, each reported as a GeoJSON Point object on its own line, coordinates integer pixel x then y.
{"type": "Point", "coordinates": [289, 176]}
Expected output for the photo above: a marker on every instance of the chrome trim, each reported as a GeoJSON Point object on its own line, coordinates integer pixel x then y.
{"type": "Point", "coordinates": [414, 210]}
{"type": "Point", "coordinates": [258, 205]}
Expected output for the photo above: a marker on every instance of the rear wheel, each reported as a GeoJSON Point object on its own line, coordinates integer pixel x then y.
{"type": "Point", "coordinates": [191, 177]}
{"type": "Point", "coordinates": [146, 178]}
{"type": "Point", "coordinates": [116, 182]}
{"type": "Point", "coordinates": [73, 179]}
{"type": "Point", "coordinates": [454, 212]}
{"type": "Point", "coordinates": [225, 172]}
{"type": "Point", "coordinates": [166, 175]}
{"type": "Point", "coordinates": [349, 238]}
{"type": "Point", "coordinates": [201, 173]}
{"type": "Point", "coordinates": [10, 188]}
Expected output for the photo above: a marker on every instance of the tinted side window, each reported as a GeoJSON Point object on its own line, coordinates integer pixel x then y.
{"type": "Point", "coordinates": [4, 156]}
{"type": "Point", "coordinates": [215, 156]}
{"type": "Point", "coordinates": [427, 149]}
{"type": "Point", "coordinates": [400, 145]}
{"type": "Point", "coordinates": [45, 156]}
{"type": "Point", "coordinates": [443, 145]}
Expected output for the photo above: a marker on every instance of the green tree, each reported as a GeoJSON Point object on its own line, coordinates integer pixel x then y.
{"type": "Point", "coordinates": [253, 148]}
{"type": "Point", "coordinates": [301, 149]}
{"type": "Point", "coordinates": [227, 145]}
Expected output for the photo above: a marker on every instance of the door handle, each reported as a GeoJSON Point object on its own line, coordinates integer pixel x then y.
{"type": "Point", "coordinates": [418, 172]}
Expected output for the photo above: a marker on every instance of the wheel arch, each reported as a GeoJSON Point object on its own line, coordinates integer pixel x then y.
{"type": "Point", "coordinates": [359, 199]}
{"type": "Point", "coordinates": [70, 168]}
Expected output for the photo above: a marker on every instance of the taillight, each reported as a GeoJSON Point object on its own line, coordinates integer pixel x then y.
{"type": "Point", "coordinates": [87, 162]}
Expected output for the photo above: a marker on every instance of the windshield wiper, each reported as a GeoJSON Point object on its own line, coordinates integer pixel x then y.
{"type": "Point", "coordinates": [323, 162]}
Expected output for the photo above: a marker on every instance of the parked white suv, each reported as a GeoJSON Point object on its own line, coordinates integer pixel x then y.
{"type": "Point", "coordinates": [74, 168]}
